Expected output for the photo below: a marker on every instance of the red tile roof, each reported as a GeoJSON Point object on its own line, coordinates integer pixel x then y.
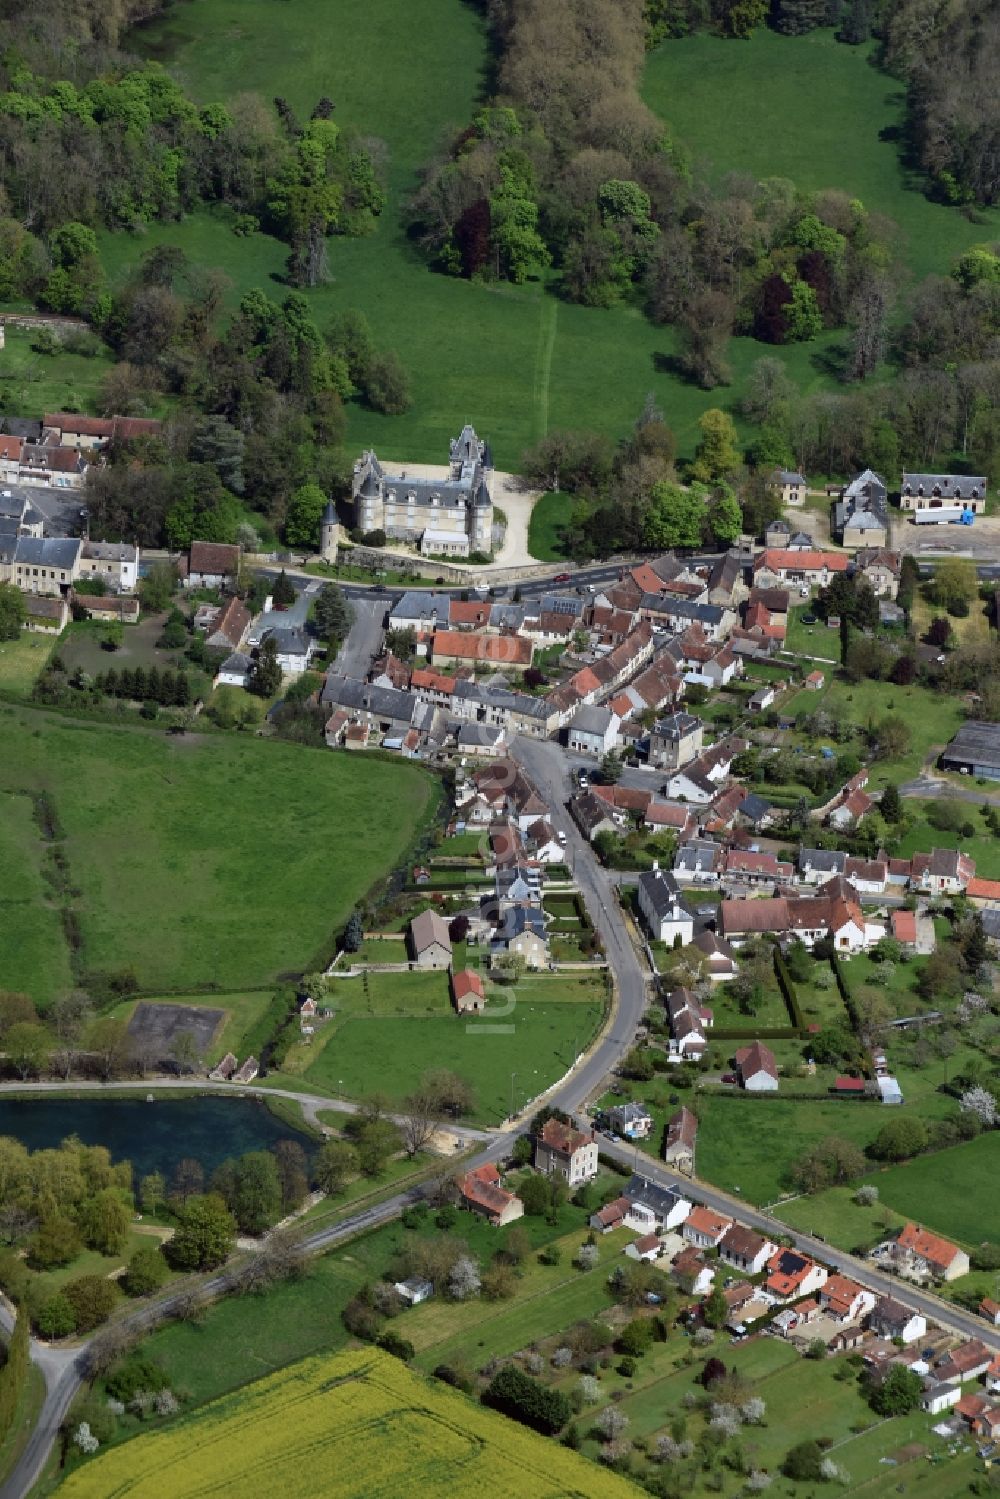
{"type": "Point", "coordinates": [563, 1137]}
{"type": "Point", "coordinates": [466, 983]}
{"type": "Point", "coordinates": [498, 650]}
{"type": "Point", "coordinates": [904, 926]}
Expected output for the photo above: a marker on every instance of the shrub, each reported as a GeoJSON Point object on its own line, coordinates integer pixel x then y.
{"type": "Point", "coordinates": [519, 1396]}
{"type": "Point", "coordinates": [92, 1298]}
{"type": "Point", "coordinates": [136, 1373]}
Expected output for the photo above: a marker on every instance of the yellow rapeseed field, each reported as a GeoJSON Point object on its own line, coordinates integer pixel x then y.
{"type": "Point", "coordinates": [352, 1425]}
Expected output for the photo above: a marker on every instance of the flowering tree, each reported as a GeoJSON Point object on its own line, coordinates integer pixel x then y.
{"type": "Point", "coordinates": [612, 1423]}
{"type": "Point", "coordinates": [464, 1281]}
{"type": "Point", "coordinates": [590, 1389]}
{"type": "Point", "coordinates": [980, 1101]}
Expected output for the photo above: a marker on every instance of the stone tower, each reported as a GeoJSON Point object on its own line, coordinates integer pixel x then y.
{"type": "Point", "coordinates": [329, 534]}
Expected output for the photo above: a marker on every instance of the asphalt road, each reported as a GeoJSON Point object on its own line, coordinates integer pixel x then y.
{"type": "Point", "coordinates": [364, 637]}
{"type": "Point", "coordinates": [547, 766]}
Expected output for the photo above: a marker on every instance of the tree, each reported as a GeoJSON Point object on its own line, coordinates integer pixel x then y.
{"type": "Point", "coordinates": [354, 932]}
{"type": "Point", "coordinates": [12, 611]}
{"type": "Point", "coordinates": [675, 517]}
{"type": "Point", "coordinates": [890, 805]}
{"type": "Point", "coordinates": [898, 1393]}
{"type": "Point", "coordinates": [15, 1009]}
{"type": "Point", "coordinates": [375, 1143]}
{"type": "Point", "coordinates": [27, 1047]}
{"type": "Point", "coordinates": [204, 1237]}
{"type": "Point", "coordinates": [92, 1298]}
{"type": "Point", "coordinates": [892, 737]}
{"type": "Point", "coordinates": [290, 1159]}
{"type": "Point", "coordinates": [803, 1462]}
{"type": "Point", "coordinates": [305, 511]}
{"type": "Point", "coordinates": [955, 582]}
{"type": "Point", "coordinates": [387, 386]}
{"type": "Point", "coordinates": [717, 454]}
{"type": "Point", "coordinates": [523, 1399]}
{"type": "Point", "coordinates": [336, 1163]}
{"type": "Point", "coordinates": [611, 769]}
{"type": "Point", "coordinates": [152, 1192]}
{"type": "Point", "coordinates": [333, 613]}
{"type": "Point", "coordinates": [188, 1180]}
{"type": "Point", "coordinates": [254, 1197]}
{"type": "Point", "coordinates": [283, 592]}
{"type": "Point", "coordinates": [714, 1309]}
{"type": "Point", "coordinates": [899, 1139]}
{"type": "Point", "coordinates": [463, 1279]}
{"type": "Point", "coordinates": [105, 1222]}
{"type": "Point", "coordinates": [265, 674]}
{"type": "Point", "coordinates": [109, 1044]}
{"type": "Point", "coordinates": [725, 516]}
{"type": "Point", "coordinates": [184, 1052]}
{"type": "Point", "coordinates": [146, 1273]}
{"type": "Point", "coordinates": [55, 1242]}
{"type": "Point", "coordinates": [419, 1120]}
{"type": "Point", "coordinates": [980, 1102]}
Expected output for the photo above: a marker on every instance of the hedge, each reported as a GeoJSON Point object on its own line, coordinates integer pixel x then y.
{"type": "Point", "coordinates": [787, 988]}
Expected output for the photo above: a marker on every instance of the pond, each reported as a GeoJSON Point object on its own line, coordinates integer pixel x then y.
{"type": "Point", "coordinates": [153, 1136]}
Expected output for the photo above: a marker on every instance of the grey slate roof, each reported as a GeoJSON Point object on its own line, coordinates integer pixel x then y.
{"type": "Point", "coordinates": [675, 726]}
{"type": "Point", "coordinates": [660, 1200]}
{"type": "Point", "coordinates": [591, 719]}
{"type": "Point", "coordinates": [289, 642]}
{"type": "Point", "coordinates": [948, 486]}
{"type": "Point", "coordinates": [48, 551]}
{"type": "Point", "coordinates": [386, 702]}
{"type": "Point", "coordinates": [697, 857]}
{"type": "Point", "coordinates": [419, 604]}
{"type": "Point", "coordinates": [237, 662]}
{"type": "Point", "coordinates": [825, 860]}
{"type": "Point", "coordinates": [661, 890]}
{"type": "Point", "coordinates": [976, 741]}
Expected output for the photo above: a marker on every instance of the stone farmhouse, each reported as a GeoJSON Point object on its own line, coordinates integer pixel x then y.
{"type": "Point", "coordinates": [451, 517]}
{"type": "Point", "coordinates": [932, 491]}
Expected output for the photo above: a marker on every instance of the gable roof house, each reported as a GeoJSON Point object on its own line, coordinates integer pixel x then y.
{"type": "Point", "coordinates": [661, 906]}
{"type": "Point", "coordinates": [429, 940]}
{"type": "Point", "coordinates": [791, 1274]}
{"type": "Point", "coordinates": [561, 1150]}
{"type": "Point", "coordinates": [231, 628]}
{"type": "Point", "coordinates": [719, 956]}
{"type": "Point", "coordinates": [468, 991]}
{"type": "Point", "coordinates": [611, 1216]}
{"type": "Point", "coordinates": [481, 1193]}
{"type": "Point", "coordinates": [777, 566]}
{"type": "Point", "coordinates": [943, 870]}
{"type": "Point", "coordinates": [704, 1227]}
{"type": "Point", "coordinates": [592, 730]}
{"type": "Point", "coordinates": [889, 1318]}
{"type": "Point", "coordinates": [932, 491]}
{"type": "Point", "coordinates": [654, 1209]}
{"type": "Point", "coordinates": [692, 1271]}
{"type": "Point", "coordinates": [880, 569]}
{"type": "Point", "coordinates": [688, 1023]}
{"type": "Point", "coordinates": [212, 564]}
{"type": "Point", "coordinates": [844, 1300]}
{"type": "Point", "coordinates": [682, 1136]}
{"type": "Point", "coordinates": [970, 1360]}
{"type": "Point", "coordinates": [630, 1120]}
{"type": "Point", "coordinates": [698, 862]}
{"type": "Point", "coordinates": [834, 911]}
{"type": "Point", "coordinates": [675, 739]}
{"type": "Point", "coordinates": [746, 1250]}
{"type": "Point", "coordinates": [917, 1251]}
{"type": "Point", "coordinates": [756, 1068]}
{"type": "Point", "coordinates": [521, 931]}
{"type": "Point", "coordinates": [861, 515]}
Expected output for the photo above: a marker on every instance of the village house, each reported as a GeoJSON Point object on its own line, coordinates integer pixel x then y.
{"type": "Point", "coordinates": [429, 940]}
{"type": "Point", "coordinates": [688, 1023]}
{"type": "Point", "coordinates": [230, 628]}
{"type": "Point", "coordinates": [744, 1249]}
{"type": "Point", "coordinates": [748, 867]}
{"type": "Point", "coordinates": [844, 1300]}
{"type": "Point", "coordinates": [791, 1274]}
{"type": "Point", "coordinates": [682, 1136]}
{"type": "Point", "coordinates": [561, 1150]}
{"type": "Point", "coordinates": [692, 1271]}
{"type": "Point", "coordinates": [116, 563]}
{"type": "Point", "coordinates": [500, 652]}
{"type": "Point", "coordinates": [719, 957]}
{"type": "Point", "coordinates": [932, 491]}
{"type": "Point", "coordinates": [631, 1121]}
{"type": "Point", "coordinates": [834, 911]}
{"type": "Point", "coordinates": [674, 740]}
{"type": "Point", "coordinates": [468, 992]}
{"type": "Point", "coordinates": [592, 731]}
{"type": "Point", "coordinates": [293, 650]}
{"type": "Point", "coordinates": [939, 1397]}
{"type": "Point", "coordinates": [661, 907]}
{"type": "Point", "coordinates": [880, 570]}
{"type": "Point", "coordinates": [804, 569]}
{"type": "Point", "coordinates": [521, 933]}
{"type": "Point", "coordinates": [698, 862]}
{"type": "Point", "coordinates": [889, 1318]}
{"type": "Point", "coordinates": [756, 1068]}
{"type": "Point", "coordinates": [611, 1216]}
{"type": "Point", "coordinates": [861, 515]}
{"type": "Point", "coordinates": [944, 871]}
{"type": "Point", "coordinates": [654, 1209]}
{"type": "Point", "coordinates": [210, 564]}
{"type": "Point", "coordinates": [791, 486]}
{"type": "Point", "coordinates": [704, 1227]}
{"type": "Point", "coordinates": [647, 1249]}
{"type": "Point", "coordinates": [970, 1360]}
{"type": "Point", "coordinates": [917, 1251]}
{"type": "Point", "coordinates": [480, 1191]}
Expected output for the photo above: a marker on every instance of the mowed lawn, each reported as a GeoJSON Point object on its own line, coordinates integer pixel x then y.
{"type": "Point", "coordinates": [951, 1191]}
{"type": "Point", "coordinates": [813, 110]}
{"type": "Point", "coordinates": [536, 1042]}
{"type": "Point", "coordinates": [752, 1144]}
{"type": "Point", "coordinates": [413, 76]}
{"type": "Point", "coordinates": [837, 1218]}
{"type": "Point", "coordinates": [34, 959]}
{"type": "Point", "coordinates": [545, 529]}
{"type": "Point", "coordinates": [209, 858]}
{"type": "Point", "coordinates": [31, 383]}
{"type": "Point", "coordinates": [21, 661]}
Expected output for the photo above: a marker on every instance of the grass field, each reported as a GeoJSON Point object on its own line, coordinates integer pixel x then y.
{"type": "Point", "coordinates": [33, 956]}
{"type": "Point", "coordinates": [948, 1190]}
{"type": "Point", "coordinates": [208, 859]}
{"type": "Point", "coordinates": [550, 515]}
{"type": "Point", "coordinates": [413, 76]}
{"type": "Point", "coordinates": [837, 1218]}
{"type": "Point", "coordinates": [31, 384]}
{"type": "Point", "coordinates": [417, 993]}
{"type": "Point", "coordinates": [431, 1441]}
{"type": "Point", "coordinates": [810, 109]}
{"type": "Point", "coordinates": [21, 660]}
{"type": "Point", "coordinates": [922, 837]}
{"type": "Point", "coordinates": [536, 1042]}
{"type": "Point", "coordinates": [932, 718]}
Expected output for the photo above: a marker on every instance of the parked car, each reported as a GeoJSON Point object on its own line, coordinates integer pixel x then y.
{"type": "Point", "coordinates": [561, 578]}
{"type": "Point", "coordinates": [729, 1077]}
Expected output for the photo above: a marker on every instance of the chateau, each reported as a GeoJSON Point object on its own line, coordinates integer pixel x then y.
{"type": "Point", "coordinates": [449, 517]}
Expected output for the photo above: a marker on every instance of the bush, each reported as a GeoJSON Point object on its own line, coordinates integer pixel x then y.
{"type": "Point", "coordinates": [134, 1374]}
{"type": "Point", "coordinates": [147, 1270]}
{"type": "Point", "coordinates": [523, 1399]}
{"type": "Point", "coordinates": [399, 1347]}
{"type": "Point", "coordinates": [92, 1299]}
